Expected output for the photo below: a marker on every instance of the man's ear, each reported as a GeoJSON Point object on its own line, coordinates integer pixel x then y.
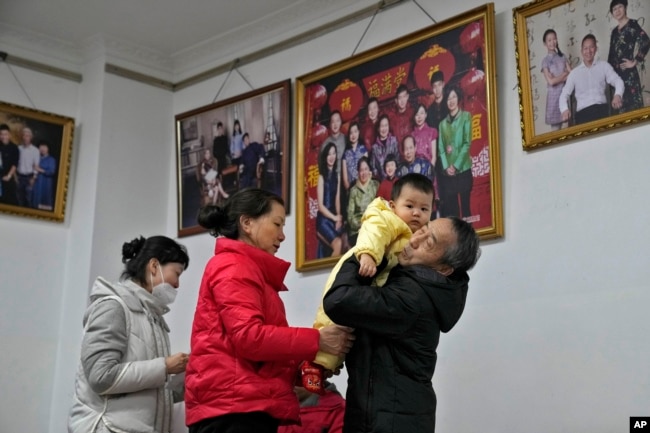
{"type": "Point", "coordinates": [445, 270]}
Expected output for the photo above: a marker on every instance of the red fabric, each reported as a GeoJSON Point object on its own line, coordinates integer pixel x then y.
{"type": "Point", "coordinates": [327, 416]}
{"type": "Point", "coordinates": [244, 357]}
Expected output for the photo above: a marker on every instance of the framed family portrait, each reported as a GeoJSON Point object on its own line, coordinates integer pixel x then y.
{"type": "Point", "coordinates": [230, 145]}
{"type": "Point", "coordinates": [425, 103]}
{"type": "Point", "coordinates": [35, 155]}
{"type": "Point", "coordinates": [580, 66]}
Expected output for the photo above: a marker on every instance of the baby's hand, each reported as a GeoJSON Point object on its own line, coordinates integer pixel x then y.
{"type": "Point", "coordinates": [367, 266]}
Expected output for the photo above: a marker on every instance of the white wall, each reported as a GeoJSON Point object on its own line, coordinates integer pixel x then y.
{"type": "Point", "coordinates": [554, 336]}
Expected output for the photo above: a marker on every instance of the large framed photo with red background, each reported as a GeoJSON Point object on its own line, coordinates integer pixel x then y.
{"type": "Point", "coordinates": [424, 103]}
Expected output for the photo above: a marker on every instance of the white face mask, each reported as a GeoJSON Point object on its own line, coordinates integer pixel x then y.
{"type": "Point", "coordinates": [164, 292]}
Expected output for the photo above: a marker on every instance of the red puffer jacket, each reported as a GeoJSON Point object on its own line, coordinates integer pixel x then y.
{"type": "Point", "coordinates": [244, 356]}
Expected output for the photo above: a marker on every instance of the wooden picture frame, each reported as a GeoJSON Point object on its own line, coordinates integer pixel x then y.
{"type": "Point", "coordinates": [462, 49]}
{"type": "Point", "coordinates": [264, 116]}
{"type": "Point", "coordinates": [35, 171]}
{"type": "Point", "coordinates": [542, 74]}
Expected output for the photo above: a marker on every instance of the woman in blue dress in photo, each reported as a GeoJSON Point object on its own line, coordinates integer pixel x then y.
{"type": "Point", "coordinates": [354, 151]}
{"type": "Point", "coordinates": [43, 193]}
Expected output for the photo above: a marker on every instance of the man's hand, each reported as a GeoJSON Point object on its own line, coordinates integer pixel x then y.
{"type": "Point", "coordinates": [565, 115]}
{"type": "Point", "coordinates": [617, 102]}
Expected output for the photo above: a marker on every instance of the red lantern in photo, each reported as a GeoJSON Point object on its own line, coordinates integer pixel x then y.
{"type": "Point", "coordinates": [471, 38]}
{"type": "Point", "coordinates": [317, 96]}
{"type": "Point", "coordinates": [436, 58]}
{"type": "Point", "coordinates": [318, 135]}
{"type": "Point", "coordinates": [347, 98]}
{"type": "Point", "coordinates": [473, 86]}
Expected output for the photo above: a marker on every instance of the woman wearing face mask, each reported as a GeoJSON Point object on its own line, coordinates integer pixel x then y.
{"type": "Point", "coordinates": [245, 357]}
{"type": "Point", "coordinates": [125, 353]}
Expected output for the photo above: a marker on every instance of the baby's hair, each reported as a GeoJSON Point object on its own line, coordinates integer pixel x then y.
{"type": "Point", "coordinates": [416, 181]}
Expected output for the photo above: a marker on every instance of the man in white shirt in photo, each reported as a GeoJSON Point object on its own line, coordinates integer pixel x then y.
{"type": "Point", "coordinates": [590, 81]}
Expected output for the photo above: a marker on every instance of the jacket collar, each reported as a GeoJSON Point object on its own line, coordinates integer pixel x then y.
{"type": "Point", "coordinates": [273, 268]}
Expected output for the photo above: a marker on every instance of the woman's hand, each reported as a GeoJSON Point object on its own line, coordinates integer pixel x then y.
{"type": "Point", "coordinates": [336, 340]}
{"type": "Point", "coordinates": [176, 363]}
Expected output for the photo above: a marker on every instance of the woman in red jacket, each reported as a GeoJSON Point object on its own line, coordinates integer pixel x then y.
{"type": "Point", "coordinates": [244, 356]}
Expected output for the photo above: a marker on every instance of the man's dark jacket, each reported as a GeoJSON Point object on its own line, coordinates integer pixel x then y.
{"type": "Point", "coordinates": [398, 326]}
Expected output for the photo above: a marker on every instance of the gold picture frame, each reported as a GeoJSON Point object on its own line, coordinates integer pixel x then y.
{"type": "Point", "coordinates": [463, 49]}
{"type": "Point", "coordinates": [27, 189]}
{"type": "Point", "coordinates": [570, 22]}
{"type": "Point", "coordinates": [263, 116]}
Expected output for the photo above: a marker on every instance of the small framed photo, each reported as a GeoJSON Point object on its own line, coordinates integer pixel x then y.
{"type": "Point", "coordinates": [581, 67]}
{"type": "Point", "coordinates": [229, 145]}
{"type": "Point", "coordinates": [35, 155]}
{"type": "Point", "coordinates": [354, 119]}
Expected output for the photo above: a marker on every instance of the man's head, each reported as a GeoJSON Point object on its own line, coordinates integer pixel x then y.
{"type": "Point", "coordinates": [402, 98]}
{"type": "Point", "coordinates": [408, 148]}
{"type": "Point", "coordinates": [373, 108]}
{"type": "Point", "coordinates": [5, 134]}
{"type": "Point", "coordinates": [411, 200]}
{"type": "Point", "coordinates": [245, 139]}
{"type": "Point", "coordinates": [589, 48]}
{"type": "Point", "coordinates": [219, 129]}
{"type": "Point", "coordinates": [438, 85]}
{"type": "Point", "coordinates": [335, 122]}
{"type": "Point", "coordinates": [445, 244]}
{"type": "Point", "coordinates": [27, 136]}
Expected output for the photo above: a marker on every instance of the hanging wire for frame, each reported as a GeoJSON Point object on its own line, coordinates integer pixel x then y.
{"type": "Point", "coordinates": [234, 64]}
{"type": "Point", "coordinates": [367, 27]}
{"type": "Point", "coordinates": [4, 59]}
{"type": "Point", "coordinates": [425, 12]}
{"type": "Point", "coordinates": [244, 78]}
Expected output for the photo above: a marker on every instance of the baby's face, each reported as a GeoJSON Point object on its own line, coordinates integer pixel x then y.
{"type": "Point", "coordinates": [413, 207]}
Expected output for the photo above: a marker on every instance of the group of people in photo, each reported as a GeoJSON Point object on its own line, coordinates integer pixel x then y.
{"type": "Point", "coordinates": [236, 154]}
{"type": "Point", "coordinates": [589, 82]}
{"type": "Point", "coordinates": [27, 170]}
{"type": "Point", "coordinates": [386, 142]}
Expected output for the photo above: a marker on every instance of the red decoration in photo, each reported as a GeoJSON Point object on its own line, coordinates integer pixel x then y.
{"type": "Point", "coordinates": [317, 96]}
{"type": "Point", "coordinates": [473, 86]}
{"type": "Point", "coordinates": [347, 98]}
{"type": "Point", "coordinates": [436, 58]}
{"type": "Point", "coordinates": [384, 84]}
{"type": "Point", "coordinates": [318, 135]}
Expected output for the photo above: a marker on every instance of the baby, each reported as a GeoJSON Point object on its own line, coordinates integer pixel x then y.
{"type": "Point", "coordinates": [385, 229]}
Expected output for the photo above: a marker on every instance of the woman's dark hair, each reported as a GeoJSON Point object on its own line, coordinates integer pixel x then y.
{"type": "Point", "coordinates": [348, 143]}
{"type": "Point", "coordinates": [362, 160]}
{"type": "Point", "coordinates": [224, 220]}
{"type": "Point", "coordinates": [617, 2]}
{"type": "Point", "coordinates": [557, 48]}
{"type": "Point", "coordinates": [457, 90]}
{"type": "Point", "coordinates": [322, 159]}
{"type": "Point", "coordinates": [137, 254]}
{"type": "Point", "coordinates": [465, 253]}
{"type": "Point", "coordinates": [234, 130]}
{"type": "Point", "coordinates": [379, 119]}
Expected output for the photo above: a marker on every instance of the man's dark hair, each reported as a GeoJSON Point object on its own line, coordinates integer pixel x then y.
{"type": "Point", "coordinates": [589, 36]}
{"type": "Point", "coordinates": [4, 127]}
{"type": "Point", "coordinates": [437, 76]}
{"type": "Point", "coordinates": [463, 255]}
{"type": "Point", "coordinates": [416, 181]}
{"type": "Point", "coordinates": [401, 88]}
